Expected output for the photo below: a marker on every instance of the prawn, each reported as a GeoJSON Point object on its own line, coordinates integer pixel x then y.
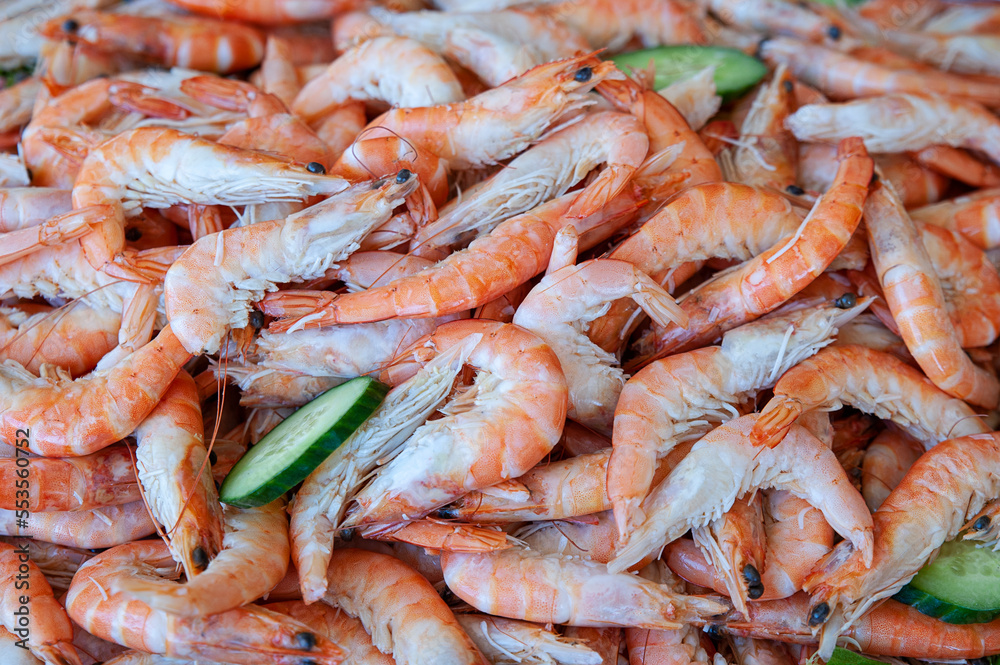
{"type": "Point", "coordinates": [801, 464]}
{"type": "Point", "coordinates": [74, 337]}
{"type": "Point", "coordinates": [916, 300]}
{"type": "Point", "coordinates": [399, 608]}
{"type": "Point", "coordinates": [249, 635]}
{"type": "Point", "coordinates": [502, 640]}
{"type": "Point", "coordinates": [887, 459]}
{"type": "Point", "coordinates": [553, 588]}
{"type": "Point", "coordinates": [87, 529]}
{"type": "Point", "coordinates": [612, 24]}
{"type": "Point", "coordinates": [208, 291]}
{"type": "Point", "coordinates": [976, 216]}
{"type": "Point", "coordinates": [503, 425]}
{"type": "Point", "coordinates": [335, 624]}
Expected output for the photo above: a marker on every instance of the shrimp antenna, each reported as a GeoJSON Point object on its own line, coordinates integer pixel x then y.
{"type": "Point", "coordinates": [959, 421]}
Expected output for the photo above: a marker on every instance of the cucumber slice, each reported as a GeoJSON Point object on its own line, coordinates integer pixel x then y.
{"type": "Point", "coordinates": [300, 443]}
{"type": "Point", "coordinates": [735, 71]}
{"type": "Point", "coordinates": [962, 585]}
{"type": "Point", "coordinates": [842, 656]}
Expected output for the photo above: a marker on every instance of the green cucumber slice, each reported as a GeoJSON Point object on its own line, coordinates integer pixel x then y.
{"type": "Point", "coordinates": [842, 656]}
{"type": "Point", "coordinates": [735, 71]}
{"type": "Point", "coordinates": [962, 585]}
{"type": "Point", "coordinates": [290, 452]}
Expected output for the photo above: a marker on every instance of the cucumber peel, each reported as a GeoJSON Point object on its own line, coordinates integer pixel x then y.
{"type": "Point", "coordinates": [962, 585]}
{"type": "Point", "coordinates": [300, 443]}
{"type": "Point", "coordinates": [735, 71]}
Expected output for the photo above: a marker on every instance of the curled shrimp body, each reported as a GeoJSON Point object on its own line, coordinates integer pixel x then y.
{"type": "Point", "coordinates": [580, 293]}
{"type": "Point", "coordinates": [765, 282]}
{"type": "Point", "coordinates": [74, 338]}
{"type": "Point", "coordinates": [104, 478]}
{"type": "Point", "coordinates": [871, 381]}
{"type": "Point", "coordinates": [887, 459]}
{"type": "Point", "coordinates": [400, 609]}
{"type": "Point", "coordinates": [680, 397]}
{"type": "Point", "coordinates": [23, 207]}
{"type": "Point", "coordinates": [688, 498]}
{"type": "Point", "coordinates": [842, 76]}
{"type": "Point", "coordinates": [87, 529]}
{"type": "Point", "coordinates": [210, 289]}
{"type": "Point", "coordinates": [170, 40]}
{"type": "Point", "coordinates": [338, 626]}
{"type": "Point", "coordinates": [502, 121]}
{"type": "Point", "coordinates": [322, 499]}
{"type": "Point", "coordinates": [269, 12]}
{"type": "Point", "coordinates": [552, 588]}
{"type": "Point", "coordinates": [252, 560]}
{"type": "Point", "coordinates": [496, 45]}
{"type": "Point", "coordinates": [419, 77]}
{"type": "Point", "coordinates": [916, 300]}
{"type": "Point", "coordinates": [50, 634]}
{"type": "Point", "coordinates": [499, 639]}
{"type": "Point", "coordinates": [503, 425]}
{"type": "Point", "coordinates": [946, 486]}
{"type": "Point", "coordinates": [249, 635]}
{"type": "Point", "coordinates": [897, 123]}
{"type": "Point", "coordinates": [72, 418]}
{"type": "Point", "coordinates": [558, 490]}
{"type": "Point", "coordinates": [491, 266]}
{"type": "Point", "coordinates": [543, 172]}
{"type": "Point", "coordinates": [171, 461]}
{"type": "Point", "coordinates": [976, 216]}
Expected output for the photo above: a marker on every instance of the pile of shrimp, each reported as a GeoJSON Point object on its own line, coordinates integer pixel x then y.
{"type": "Point", "coordinates": [672, 378]}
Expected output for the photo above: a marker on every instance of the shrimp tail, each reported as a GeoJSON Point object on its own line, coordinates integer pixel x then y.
{"type": "Point", "coordinates": [660, 305]}
{"type": "Point", "coordinates": [293, 303]}
{"type": "Point", "coordinates": [59, 653]}
{"type": "Point", "coordinates": [774, 422]}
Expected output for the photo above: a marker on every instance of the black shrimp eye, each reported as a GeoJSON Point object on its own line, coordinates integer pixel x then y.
{"type": "Point", "coordinates": [714, 631]}
{"type": "Point", "coordinates": [795, 190]}
{"type": "Point", "coordinates": [834, 32]}
{"type": "Point", "coordinates": [316, 167]}
{"type": "Point", "coordinates": [213, 459]}
{"type": "Point", "coordinates": [446, 513]}
{"type": "Point", "coordinates": [257, 319]}
{"type": "Point", "coordinates": [199, 557]}
{"type": "Point", "coordinates": [346, 534]}
{"type": "Point", "coordinates": [305, 641]}
{"type": "Point", "coordinates": [133, 234]}
{"type": "Point", "coordinates": [750, 574]}
{"type": "Point", "coordinates": [846, 301]}
{"type": "Point", "coordinates": [819, 614]}
{"type": "Point", "coordinates": [788, 86]}
{"type": "Point", "coordinates": [755, 591]}
{"type": "Point", "coordinates": [71, 26]}
{"type": "Point", "coordinates": [583, 74]}
{"type": "Point", "coordinates": [873, 180]}
{"type": "Point", "coordinates": [403, 176]}
{"type": "Point", "coordinates": [982, 523]}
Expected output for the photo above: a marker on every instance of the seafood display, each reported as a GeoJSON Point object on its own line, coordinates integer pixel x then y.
{"type": "Point", "coordinates": [495, 332]}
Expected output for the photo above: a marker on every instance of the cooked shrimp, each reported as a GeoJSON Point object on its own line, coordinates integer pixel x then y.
{"type": "Point", "coordinates": [976, 216]}
{"type": "Point", "coordinates": [377, 156]}
{"type": "Point", "coordinates": [45, 629]}
{"type": "Point", "coordinates": [873, 382]}
{"type": "Point", "coordinates": [104, 478]}
{"type": "Point", "coordinates": [72, 418]}
{"type": "Point", "coordinates": [695, 98]}
{"type": "Point", "coordinates": [22, 207]}
{"type": "Point", "coordinates": [797, 537]}
{"type": "Point", "coordinates": [607, 24]}
{"type": "Point", "coordinates": [252, 560]}
{"type": "Point", "coordinates": [12, 653]}
{"type": "Point", "coordinates": [171, 461]}
{"type": "Point", "coordinates": [946, 486]}
{"type": "Point", "coordinates": [779, 17]}
{"type": "Point", "coordinates": [802, 464]}
{"type": "Point", "coordinates": [17, 102]}
{"type": "Point", "coordinates": [249, 635]}
{"type": "Point", "coordinates": [172, 41]}
{"type": "Point", "coordinates": [513, 253]}
{"type": "Point", "coordinates": [960, 165]}
{"type": "Point", "coordinates": [592, 538]}
{"type": "Point", "coordinates": [503, 425]}
{"type": "Point", "coordinates": [269, 12]}
{"type": "Point", "coordinates": [497, 46]}
{"type": "Point", "coordinates": [543, 172]}
{"type": "Point", "coordinates": [59, 563]}
{"type": "Point", "coordinates": [210, 289]}
{"type": "Point", "coordinates": [337, 626]}
{"type": "Point", "coordinates": [88, 529]}
{"type": "Point", "coordinates": [765, 154]}
{"type": "Point", "coordinates": [503, 121]}
{"type": "Point", "coordinates": [842, 76]}
{"type": "Point", "coordinates": [437, 536]}
{"type": "Point", "coordinates": [74, 337]}
{"type": "Point", "coordinates": [553, 491]}
{"type": "Point", "coordinates": [966, 53]}
{"type": "Point", "coordinates": [765, 282]}
{"type": "Point", "coordinates": [734, 543]}
{"type": "Point", "coordinates": [887, 459]}
{"type": "Point", "coordinates": [552, 588]}
{"type": "Point", "coordinates": [321, 500]}
{"type": "Point", "coordinates": [896, 123]}
{"type": "Point", "coordinates": [559, 309]}
{"type": "Point", "coordinates": [418, 77]}
{"type": "Point", "coordinates": [681, 397]}
{"type": "Point", "coordinates": [400, 609]}
{"type": "Point", "coordinates": [916, 300]}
